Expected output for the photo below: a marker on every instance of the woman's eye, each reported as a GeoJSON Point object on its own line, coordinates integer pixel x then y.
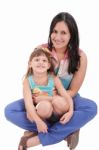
{"type": "Point", "coordinates": [63, 32]}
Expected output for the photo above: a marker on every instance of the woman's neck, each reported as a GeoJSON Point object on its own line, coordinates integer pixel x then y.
{"type": "Point", "coordinates": [60, 53]}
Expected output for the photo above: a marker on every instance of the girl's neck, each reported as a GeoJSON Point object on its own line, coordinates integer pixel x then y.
{"type": "Point", "coordinates": [40, 79]}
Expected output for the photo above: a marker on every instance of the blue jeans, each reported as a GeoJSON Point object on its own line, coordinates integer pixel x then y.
{"type": "Point", "coordinates": [84, 111]}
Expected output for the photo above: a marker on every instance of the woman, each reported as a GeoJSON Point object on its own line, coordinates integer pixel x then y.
{"type": "Point", "coordinates": [70, 66]}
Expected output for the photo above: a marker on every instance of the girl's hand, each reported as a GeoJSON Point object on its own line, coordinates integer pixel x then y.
{"type": "Point", "coordinates": [37, 99]}
{"type": "Point", "coordinates": [41, 126]}
{"type": "Point", "coordinates": [66, 117]}
{"type": "Point", "coordinates": [40, 98]}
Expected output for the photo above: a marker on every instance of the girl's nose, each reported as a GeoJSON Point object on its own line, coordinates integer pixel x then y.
{"type": "Point", "coordinates": [40, 61]}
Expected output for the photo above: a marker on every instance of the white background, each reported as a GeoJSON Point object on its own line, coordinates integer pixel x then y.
{"type": "Point", "coordinates": [24, 24]}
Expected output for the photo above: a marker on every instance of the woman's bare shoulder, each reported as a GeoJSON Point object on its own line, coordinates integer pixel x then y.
{"type": "Point", "coordinates": [82, 54]}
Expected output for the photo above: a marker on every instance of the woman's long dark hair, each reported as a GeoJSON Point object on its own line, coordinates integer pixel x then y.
{"type": "Point", "coordinates": [73, 45]}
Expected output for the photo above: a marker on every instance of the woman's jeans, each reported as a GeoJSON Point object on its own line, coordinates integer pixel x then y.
{"type": "Point", "coordinates": [84, 111]}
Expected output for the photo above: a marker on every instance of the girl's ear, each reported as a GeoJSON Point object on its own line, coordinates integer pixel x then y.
{"type": "Point", "coordinates": [49, 65]}
{"type": "Point", "coordinates": [29, 64]}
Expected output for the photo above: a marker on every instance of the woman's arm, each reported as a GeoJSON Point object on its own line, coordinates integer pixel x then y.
{"type": "Point", "coordinates": [79, 76]}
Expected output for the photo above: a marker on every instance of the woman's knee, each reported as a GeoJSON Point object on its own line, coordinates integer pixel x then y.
{"type": "Point", "coordinates": [84, 104]}
{"type": "Point", "coordinates": [7, 111]}
{"type": "Point", "coordinates": [93, 108]}
{"type": "Point", "coordinates": [44, 109]}
{"type": "Point", "coordinates": [13, 107]}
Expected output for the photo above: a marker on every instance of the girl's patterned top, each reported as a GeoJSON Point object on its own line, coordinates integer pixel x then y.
{"type": "Point", "coordinates": [40, 89]}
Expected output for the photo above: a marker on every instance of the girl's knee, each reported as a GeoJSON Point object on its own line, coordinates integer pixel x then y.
{"type": "Point", "coordinates": [60, 105]}
{"type": "Point", "coordinates": [44, 109]}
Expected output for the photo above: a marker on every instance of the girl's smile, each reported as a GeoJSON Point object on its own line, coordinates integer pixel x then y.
{"type": "Point", "coordinates": [40, 64]}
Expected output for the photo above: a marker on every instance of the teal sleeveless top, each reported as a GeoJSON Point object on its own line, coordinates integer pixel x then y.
{"type": "Point", "coordinates": [40, 89]}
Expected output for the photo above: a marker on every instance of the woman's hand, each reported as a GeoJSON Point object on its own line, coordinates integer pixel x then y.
{"type": "Point", "coordinates": [66, 117]}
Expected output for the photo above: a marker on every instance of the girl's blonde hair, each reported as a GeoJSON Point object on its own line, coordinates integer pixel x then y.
{"type": "Point", "coordinates": [39, 52]}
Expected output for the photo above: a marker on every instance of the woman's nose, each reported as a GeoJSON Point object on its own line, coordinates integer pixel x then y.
{"type": "Point", "coordinates": [58, 36]}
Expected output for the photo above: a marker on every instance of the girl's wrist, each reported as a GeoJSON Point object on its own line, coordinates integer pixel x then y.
{"type": "Point", "coordinates": [51, 98]}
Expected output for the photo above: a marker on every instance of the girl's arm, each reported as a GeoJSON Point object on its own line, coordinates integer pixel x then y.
{"type": "Point", "coordinates": [30, 109]}
{"type": "Point", "coordinates": [62, 92]}
{"type": "Point", "coordinates": [79, 76]}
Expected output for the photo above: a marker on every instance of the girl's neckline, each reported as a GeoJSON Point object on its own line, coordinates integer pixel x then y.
{"type": "Point", "coordinates": [44, 83]}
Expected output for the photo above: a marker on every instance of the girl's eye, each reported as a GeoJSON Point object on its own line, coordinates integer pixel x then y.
{"type": "Point", "coordinates": [44, 60]}
{"type": "Point", "coordinates": [36, 59]}
{"type": "Point", "coordinates": [54, 31]}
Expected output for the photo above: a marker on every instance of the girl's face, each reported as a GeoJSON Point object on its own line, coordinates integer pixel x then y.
{"type": "Point", "coordinates": [60, 36]}
{"type": "Point", "coordinates": [40, 64]}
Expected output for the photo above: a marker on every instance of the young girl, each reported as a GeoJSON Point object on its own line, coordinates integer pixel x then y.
{"type": "Point", "coordinates": [41, 100]}
{"type": "Point", "coordinates": [41, 80]}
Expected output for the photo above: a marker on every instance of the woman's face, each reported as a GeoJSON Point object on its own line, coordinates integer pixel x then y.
{"type": "Point", "coordinates": [60, 36]}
